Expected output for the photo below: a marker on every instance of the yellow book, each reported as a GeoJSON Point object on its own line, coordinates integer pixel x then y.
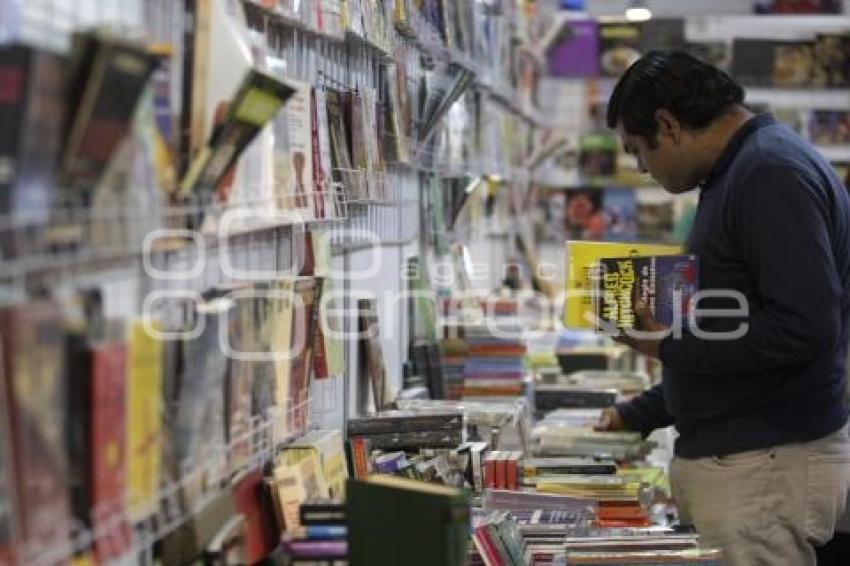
{"type": "Point", "coordinates": [581, 257]}
{"type": "Point", "coordinates": [144, 421]}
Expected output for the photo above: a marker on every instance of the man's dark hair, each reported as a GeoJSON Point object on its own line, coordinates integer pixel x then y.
{"type": "Point", "coordinates": [694, 92]}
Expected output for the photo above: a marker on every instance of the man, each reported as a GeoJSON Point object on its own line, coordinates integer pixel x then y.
{"type": "Point", "coordinates": [762, 459]}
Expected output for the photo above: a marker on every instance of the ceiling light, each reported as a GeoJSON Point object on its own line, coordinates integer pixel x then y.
{"type": "Point", "coordinates": [638, 11]}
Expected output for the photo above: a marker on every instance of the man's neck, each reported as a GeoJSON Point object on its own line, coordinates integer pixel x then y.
{"type": "Point", "coordinates": [717, 136]}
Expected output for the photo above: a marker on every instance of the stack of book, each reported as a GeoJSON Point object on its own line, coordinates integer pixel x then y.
{"type": "Point", "coordinates": [322, 537]}
{"type": "Point", "coordinates": [550, 439]}
{"type": "Point", "coordinates": [455, 352]}
{"type": "Point", "coordinates": [494, 366]}
{"type": "Point", "coordinates": [401, 429]}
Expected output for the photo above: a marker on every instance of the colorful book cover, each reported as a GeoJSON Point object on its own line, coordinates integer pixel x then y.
{"type": "Point", "coordinates": [582, 257]}
{"type": "Point", "coordinates": [830, 127]}
{"type": "Point", "coordinates": [619, 47]}
{"type": "Point", "coordinates": [577, 55]}
{"type": "Point", "coordinates": [664, 283]}
{"type": "Point", "coordinates": [598, 155]}
{"type": "Point", "coordinates": [144, 422]}
{"type": "Point", "coordinates": [590, 213]}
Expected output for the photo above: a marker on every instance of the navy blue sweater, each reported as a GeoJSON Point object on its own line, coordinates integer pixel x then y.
{"type": "Point", "coordinates": [773, 223]}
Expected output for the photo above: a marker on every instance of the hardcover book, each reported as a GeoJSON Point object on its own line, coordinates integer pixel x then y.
{"type": "Point", "coordinates": [582, 257]}
{"type": "Point", "coordinates": [664, 283]}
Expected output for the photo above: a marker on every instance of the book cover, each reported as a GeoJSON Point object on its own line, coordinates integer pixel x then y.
{"type": "Point", "coordinates": [371, 354]}
{"type": "Point", "coordinates": [329, 354]}
{"type": "Point", "coordinates": [301, 350]}
{"type": "Point", "coordinates": [577, 54]}
{"type": "Point", "coordinates": [358, 146]}
{"type": "Point", "coordinates": [33, 356]}
{"type": "Point", "coordinates": [111, 75]}
{"type": "Point", "coordinates": [665, 283]}
{"type": "Point", "coordinates": [793, 64]}
{"type": "Point", "coordinates": [752, 61]}
{"type": "Point", "coordinates": [199, 432]}
{"type": "Point", "coordinates": [406, 514]}
{"type": "Point", "coordinates": [328, 445]}
{"type": "Point", "coordinates": [598, 155]}
{"type": "Point", "coordinates": [342, 165]}
{"type": "Point", "coordinates": [255, 103]}
{"type": "Point", "coordinates": [831, 66]}
{"type": "Point", "coordinates": [325, 199]}
{"type": "Point", "coordinates": [247, 499]}
{"type": "Point", "coordinates": [108, 445]}
{"type": "Point", "coordinates": [32, 83]}
{"type": "Point", "coordinates": [144, 422]}
{"type": "Point", "coordinates": [664, 34]}
{"type": "Point", "coordinates": [582, 257]}
{"type": "Point", "coordinates": [829, 127]}
{"type": "Point", "coordinates": [619, 47]}
{"type": "Point", "coordinates": [593, 213]}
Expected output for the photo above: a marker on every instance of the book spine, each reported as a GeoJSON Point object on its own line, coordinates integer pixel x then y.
{"type": "Point", "coordinates": [320, 355]}
{"type": "Point", "coordinates": [501, 471]}
{"type": "Point", "coordinates": [318, 173]}
{"type": "Point", "coordinates": [13, 112]}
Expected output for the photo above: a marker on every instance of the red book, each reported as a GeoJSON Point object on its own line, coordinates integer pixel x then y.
{"type": "Point", "coordinates": [511, 470]}
{"type": "Point", "coordinates": [247, 498]}
{"type": "Point", "coordinates": [501, 470]}
{"type": "Point", "coordinates": [485, 546]}
{"type": "Point", "coordinates": [318, 172]}
{"type": "Point", "coordinates": [490, 470]}
{"type": "Point", "coordinates": [108, 440]}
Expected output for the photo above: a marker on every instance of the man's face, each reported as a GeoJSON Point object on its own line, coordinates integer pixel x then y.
{"type": "Point", "coordinates": [669, 160]}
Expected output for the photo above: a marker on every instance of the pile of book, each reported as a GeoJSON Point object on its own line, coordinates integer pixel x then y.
{"type": "Point", "coordinates": [494, 366]}
{"type": "Point", "coordinates": [455, 352]}
{"type": "Point", "coordinates": [400, 429]}
{"type": "Point", "coordinates": [322, 537]}
{"type": "Point", "coordinates": [588, 389]}
{"type": "Point", "coordinates": [618, 546]}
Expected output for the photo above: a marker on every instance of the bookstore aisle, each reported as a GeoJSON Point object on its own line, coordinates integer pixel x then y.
{"type": "Point", "coordinates": [309, 282]}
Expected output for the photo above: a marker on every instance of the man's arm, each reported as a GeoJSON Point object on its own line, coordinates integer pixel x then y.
{"type": "Point", "coordinates": [781, 223]}
{"type": "Point", "coordinates": [644, 413]}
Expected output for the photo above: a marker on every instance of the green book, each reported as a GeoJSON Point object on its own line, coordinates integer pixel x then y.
{"type": "Point", "coordinates": [393, 520]}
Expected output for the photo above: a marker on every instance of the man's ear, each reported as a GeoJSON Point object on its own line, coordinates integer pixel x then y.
{"type": "Point", "coordinates": [668, 125]}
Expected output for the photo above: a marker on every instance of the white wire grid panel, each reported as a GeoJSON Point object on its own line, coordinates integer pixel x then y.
{"type": "Point", "coordinates": [264, 437]}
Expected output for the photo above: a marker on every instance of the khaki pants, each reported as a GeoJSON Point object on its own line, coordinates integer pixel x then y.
{"type": "Point", "coordinates": [766, 507]}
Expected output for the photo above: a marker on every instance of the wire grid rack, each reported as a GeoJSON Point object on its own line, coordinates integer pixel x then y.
{"type": "Point", "coordinates": [258, 245]}
{"type": "Point", "coordinates": [115, 533]}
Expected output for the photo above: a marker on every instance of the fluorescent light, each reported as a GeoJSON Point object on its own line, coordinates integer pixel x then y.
{"type": "Point", "coordinates": [638, 13]}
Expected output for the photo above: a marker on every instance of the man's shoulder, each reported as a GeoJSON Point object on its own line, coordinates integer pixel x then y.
{"type": "Point", "coordinates": [776, 150]}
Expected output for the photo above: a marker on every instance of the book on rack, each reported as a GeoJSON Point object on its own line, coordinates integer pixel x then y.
{"type": "Point", "coordinates": [830, 127]}
{"type": "Point", "coordinates": [306, 292]}
{"type": "Point", "coordinates": [329, 353]}
{"type": "Point", "coordinates": [32, 110]}
{"type": "Point", "coordinates": [107, 78]}
{"type": "Point", "coordinates": [662, 34]}
{"type": "Point", "coordinates": [619, 47]}
{"type": "Point", "coordinates": [832, 60]}
{"type": "Point", "coordinates": [325, 197]}
{"type": "Point", "coordinates": [32, 346]}
{"type": "Point", "coordinates": [199, 433]}
{"type": "Point", "coordinates": [582, 260]}
{"type": "Point", "coordinates": [255, 103]}
{"type": "Point", "coordinates": [444, 86]}
{"type": "Point", "coordinates": [371, 354]}
{"type": "Point", "coordinates": [577, 53]}
{"type": "Point", "coordinates": [664, 283]}
{"type": "Point", "coordinates": [294, 483]}
{"type": "Point", "coordinates": [328, 446]}
{"type": "Point", "coordinates": [193, 538]}
{"type": "Point", "coordinates": [260, 539]}
{"type": "Point", "coordinates": [144, 420]}
{"type": "Point", "coordinates": [342, 162]}
{"type": "Point", "coordinates": [760, 62]}
{"type": "Point", "coordinates": [358, 145]}
{"type": "Point", "coordinates": [406, 514]}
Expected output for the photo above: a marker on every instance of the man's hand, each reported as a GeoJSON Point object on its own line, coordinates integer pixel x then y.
{"type": "Point", "coordinates": [648, 345]}
{"type": "Point", "coordinates": [610, 421]}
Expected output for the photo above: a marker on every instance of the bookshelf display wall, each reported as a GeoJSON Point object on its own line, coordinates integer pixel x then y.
{"type": "Point", "coordinates": [137, 252]}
